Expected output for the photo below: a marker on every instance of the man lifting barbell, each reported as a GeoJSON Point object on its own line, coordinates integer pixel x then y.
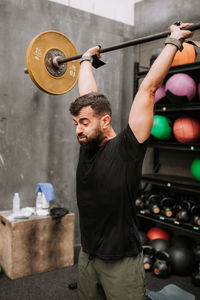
{"type": "Point", "coordinates": [108, 174]}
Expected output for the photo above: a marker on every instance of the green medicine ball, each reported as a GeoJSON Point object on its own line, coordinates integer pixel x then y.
{"type": "Point", "coordinates": [161, 127]}
{"type": "Point", "coordinates": [195, 168]}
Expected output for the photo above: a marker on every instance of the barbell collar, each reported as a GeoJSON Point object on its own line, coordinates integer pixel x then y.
{"type": "Point", "coordinates": [55, 61]}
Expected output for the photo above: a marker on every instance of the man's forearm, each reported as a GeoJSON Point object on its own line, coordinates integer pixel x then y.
{"type": "Point", "coordinates": [86, 81]}
{"type": "Point", "coordinates": [160, 68]}
{"type": "Point", "coordinates": [162, 64]}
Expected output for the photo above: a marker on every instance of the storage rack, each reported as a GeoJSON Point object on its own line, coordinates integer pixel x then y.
{"type": "Point", "coordinates": [177, 183]}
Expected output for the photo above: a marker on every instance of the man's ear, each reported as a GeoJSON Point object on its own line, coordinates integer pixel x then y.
{"type": "Point", "coordinates": [105, 121]}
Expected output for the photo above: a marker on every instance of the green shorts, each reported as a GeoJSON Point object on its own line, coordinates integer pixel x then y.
{"type": "Point", "coordinates": [114, 280]}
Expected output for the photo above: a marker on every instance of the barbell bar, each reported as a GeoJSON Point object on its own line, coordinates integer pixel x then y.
{"type": "Point", "coordinates": [137, 41]}
{"type": "Point", "coordinates": [53, 62]}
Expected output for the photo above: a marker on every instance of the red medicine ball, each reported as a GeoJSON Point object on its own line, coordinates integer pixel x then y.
{"type": "Point", "coordinates": [186, 130]}
{"type": "Point", "coordinates": [158, 233]}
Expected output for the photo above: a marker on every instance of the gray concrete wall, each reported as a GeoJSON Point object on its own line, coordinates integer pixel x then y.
{"type": "Point", "coordinates": [153, 16]}
{"type": "Point", "coordinates": [37, 134]}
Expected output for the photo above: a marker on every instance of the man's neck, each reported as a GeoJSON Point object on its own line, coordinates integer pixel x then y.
{"type": "Point", "coordinates": [109, 135]}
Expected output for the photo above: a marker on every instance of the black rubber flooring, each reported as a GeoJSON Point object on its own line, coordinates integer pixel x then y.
{"type": "Point", "coordinates": [53, 285]}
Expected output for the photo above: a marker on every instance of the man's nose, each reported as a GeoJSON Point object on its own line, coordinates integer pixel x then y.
{"type": "Point", "coordinates": [79, 129]}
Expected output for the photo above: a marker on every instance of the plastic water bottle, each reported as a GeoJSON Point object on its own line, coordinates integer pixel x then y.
{"type": "Point", "coordinates": [16, 204]}
{"type": "Point", "coordinates": [45, 203]}
{"type": "Point", "coordinates": [38, 204]}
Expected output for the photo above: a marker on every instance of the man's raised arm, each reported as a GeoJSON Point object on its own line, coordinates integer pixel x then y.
{"type": "Point", "coordinates": [86, 81]}
{"type": "Point", "coordinates": [141, 114]}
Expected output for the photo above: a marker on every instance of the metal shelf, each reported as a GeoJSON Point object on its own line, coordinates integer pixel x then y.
{"type": "Point", "coordinates": [181, 68]}
{"type": "Point", "coordinates": [170, 222]}
{"type": "Point", "coordinates": [173, 110]}
{"type": "Point", "coordinates": [173, 182]}
{"type": "Point", "coordinates": [193, 67]}
{"type": "Point", "coordinates": [170, 145]}
{"type": "Point", "coordinates": [186, 107]}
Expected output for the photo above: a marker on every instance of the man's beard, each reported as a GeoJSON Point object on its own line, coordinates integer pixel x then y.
{"type": "Point", "coordinates": [92, 143]}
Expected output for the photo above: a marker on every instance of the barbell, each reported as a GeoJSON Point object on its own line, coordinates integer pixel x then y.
{"type": "Point", "coordinates": [53, 62]}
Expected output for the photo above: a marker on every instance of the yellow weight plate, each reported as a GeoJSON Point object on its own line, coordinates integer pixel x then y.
{"type": "Point", "coordinates": [37, 69]}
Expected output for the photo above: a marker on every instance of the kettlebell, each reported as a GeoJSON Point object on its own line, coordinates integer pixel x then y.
{"type": "Point", "coordinates": [183, 213]}
{"type": "Point", "coordinates": [168, 206]}
{"type": "Point", "coordinates": [160, 245]}
{"type": "Point", "coordinates": [161, 267]}
{"type": "Point", "coordinates": [195, 215]}
{"type": "Point", "coordinates": [154, 203]}
{"type": "Point", "coordinates": [196, 272]}
{"type": "Point", "coordinates": [140, 202]}
{"type": "Point", "coordinates": [148, 254]}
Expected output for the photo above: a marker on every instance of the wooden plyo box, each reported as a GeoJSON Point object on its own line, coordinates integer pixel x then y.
{"type": "Point", "coordinates": [35, 245]}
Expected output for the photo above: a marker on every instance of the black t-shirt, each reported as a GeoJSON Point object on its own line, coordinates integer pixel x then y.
{"type": "Point", "coordinates": [107, 182]}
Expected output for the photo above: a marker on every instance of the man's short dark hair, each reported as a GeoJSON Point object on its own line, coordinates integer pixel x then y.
{"type": "Point", "coordinates": [98, 102]}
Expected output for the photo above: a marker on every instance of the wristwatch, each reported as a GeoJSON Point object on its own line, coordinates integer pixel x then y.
{"type": "Point", "coordinates": [177, 42]}
{"type": "Point", "coordinates": [86, 58]}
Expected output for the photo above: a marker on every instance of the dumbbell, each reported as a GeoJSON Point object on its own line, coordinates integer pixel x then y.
{"type": "Point", "coordinates": [148, 254]}
{"type": "Point", "coordinates": [168, 205]}
{"type": "Point", "coordinates": [161, 266]}
{"type": "Point", "coordinates": [196, 274]}
{"type": "Point", "coordinates": [195, 215]}
{"type": "Point", "coordinates": [183, 213]}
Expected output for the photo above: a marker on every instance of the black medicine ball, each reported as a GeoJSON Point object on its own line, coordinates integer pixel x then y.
{"type": "Point", "coordinates": [181, 261]}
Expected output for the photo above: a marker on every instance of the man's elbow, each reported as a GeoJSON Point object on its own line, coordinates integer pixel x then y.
{"type": "Point", "coordinates": [142, 137]}
{"type": "Point", "coordinates": [142, 128]}
{"type": "Point", "coordinates": [149, 88]}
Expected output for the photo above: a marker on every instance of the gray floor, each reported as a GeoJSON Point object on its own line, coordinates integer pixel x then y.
{"type": "Point", "coordinates": [53, 285]}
